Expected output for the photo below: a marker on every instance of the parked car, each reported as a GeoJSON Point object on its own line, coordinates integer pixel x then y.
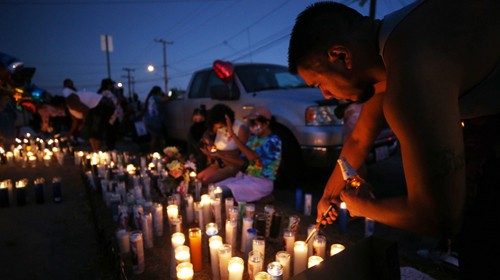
{"type": "Point", "coordinates": [308, 126]}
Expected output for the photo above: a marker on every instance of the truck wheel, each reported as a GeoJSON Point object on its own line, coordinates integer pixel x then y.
{"type": "Point", "coordinates": [289, 174]}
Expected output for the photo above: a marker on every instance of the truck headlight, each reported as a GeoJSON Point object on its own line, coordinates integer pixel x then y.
{"type": "Point", "coordinates": [322, 115]}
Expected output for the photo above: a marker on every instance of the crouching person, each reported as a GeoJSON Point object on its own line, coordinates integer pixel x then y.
{"type": "Point", "coordinates": [261, 155]}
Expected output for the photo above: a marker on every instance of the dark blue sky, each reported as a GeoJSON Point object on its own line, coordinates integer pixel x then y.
{"type": "Point", "coordinates": [61, 38]}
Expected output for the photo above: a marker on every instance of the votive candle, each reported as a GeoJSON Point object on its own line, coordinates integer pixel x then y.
{"type": "Point", "coordinates": [289, 237]}
{"type": "Point", "coordinates": [231, 230]}
{"type": "Point", "coordinates": [259, 245]}
{"type": "Point", "coordinates": [319, 246]}
{"type": "Point", "coordinates": [214, 243]}
{"type": "Point", "coordinates": [195, 246]}
{"type": "Point", "coordinates": [172, 211]}
{"type": "Point", "coordinates": [225, 253]}
{"type": "Point", "coordinates": [182, 254]}
{"type": "Point", "coordinates": [283, 257]}
{"type": "Point", "coordinates": [185, 271]}
{"type": "Point", "coordinates": [313, 261]}
{"type": "Point", "coordinates": [336, 248]}
{"type": "Point", "coordinates": [255, 263]}
{"type": "Point", "coordinates": [299, 257]}
{"type": "Point", "coordinates": [235, 268]}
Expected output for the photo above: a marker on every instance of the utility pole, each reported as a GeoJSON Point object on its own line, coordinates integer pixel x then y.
{"type": "Point", "coordinates": [129, 79]}
{"type": "Point", "coordinates": [164, 43]}
{"type": "Point", "coordinates": [373, 6]}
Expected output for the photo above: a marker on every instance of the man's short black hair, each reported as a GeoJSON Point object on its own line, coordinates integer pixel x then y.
{"type": "Point", "coordinates": [316, 29]}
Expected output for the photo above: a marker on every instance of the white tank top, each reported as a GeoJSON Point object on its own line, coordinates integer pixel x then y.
{"type": "Point", "coordinates": [90, 99]}
{"type": "Point", "coordinates": [222, 140]}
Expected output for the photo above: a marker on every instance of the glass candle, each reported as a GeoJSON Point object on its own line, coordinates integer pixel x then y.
{"type": "Point", "coordinates": [184, 271]}
{"type": "Point", "coordinates": [314, 260]}
{"type": "Point", "coordinates": [275, 269]}
{"type": "Point", "coordinates": [319, 246]}
{"type": "Point", "coordinates": [172, 211]}
{"type": "Point", "coordinates": [336, 248]}
{"type": "Point", "coordinates": [123, 238]}
{"type": "Point", "coordinates": [311, 228]}
{"type": "Point", "coordinates": [299, 257]}
{"type": "Point", "coordinates": [211, 229]}
{"type": "Point", "coordinates": [255, 263]}
{"type": "Point", "coordinates": [214, 243]}
{"type": "Point", "coordinates": [249, 210]}
{"type": "Point", "coordinates": [235, 268]}
{"type": "Point", "coordinates": [260, 224]}
{"type": "Point", "coordinates": [229, 202]}
{"type": "Point", "coordinates": [283, 257]}
{"type": "Point", "coordinates": [231, 230]}
{"type": "Point", "coordinates": [259, 245]}
{"type": "Point", "coordinates": [224, 253]}
{"type": "Point", "coordinates": [216, 207]}
{"type": "Point", "coordinates": [158, 219]}
{"type": "Point", "coordinates": [342, 217]}
{"type": "Point", "coordinates": [289, 238]}
{"type": "Point", "coordinates": [195, 245]}
{"type": "Point", "coordinates": [198, 214]}
{"type": "Point", "coordinates": [247, 224]}
{"type": "Point", "coordinates": [182, 254]}
{"type": "Point", "coordinates": [21, 191]}
{"type": "Point", "coordinates": [269, 209]}
{"type": "Point", "coordinates": [189, 209]}
{"type": "Point", "coordinates": [206, 203]}
{"type": "Point", "coordinates": [4, 194]}
{"type": "Point", "coordinates": [262, 276]}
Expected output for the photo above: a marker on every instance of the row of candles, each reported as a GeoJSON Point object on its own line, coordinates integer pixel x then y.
{"type": "Point", "coordinates": [206, 214]}
{"type": "Point", "coordinates": [39, 185]}
{"type": "Point", "coordinates": [28, 151]}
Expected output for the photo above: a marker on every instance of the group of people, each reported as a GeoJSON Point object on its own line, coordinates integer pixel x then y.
{"type": "Point", "coordinates": [241, 156]}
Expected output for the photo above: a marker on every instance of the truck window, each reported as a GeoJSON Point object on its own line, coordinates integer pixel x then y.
{"type": "Point", "coordinates": [264, 77]}
{"type": "Point", "coordinates": [197, 88]}
{"type": "Point", "coordinates": [213, 80]}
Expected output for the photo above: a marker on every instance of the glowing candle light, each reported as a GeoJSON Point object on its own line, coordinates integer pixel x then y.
{"type": "Point", "coordinates": [214, 243]}
{"type": "Point", "coordinates": [177, 240]}
{"type": "Point", "coordinates": [184, 271]}
{"type": "Point", "coordinates": [231, 230]}
{"type": "Point", "coordinates": [235, 268]}
{"type": "Point", "coordinates": [342, 217]}
{"type": "Point", "coordinates": [195, 246]}
{"type": "Point", "coordinates": [275, 270]}
{"type": "Point", "coordinates": [172, 211]}
{"type": "Point", "coordinates": [21, 191]}
{"type": "Point", "coordinates": [319, 246]}
{"type": "Point", "coordinates": [189, 209]}
{"type": "Point", "coordinates": [206, 204]}
{"type": "Point", "coordinates": [336, 248]}
{"type": "Point", "coordinates": [259, 245]}
{"type": "Point", "coordinates": [283, 258]}
{"type": "Point", "coordinates": [224, 254]}
{"type": "Point", "coordinates": [216, 205]}
{"type": "Point", "coordinates": [262, 276]}
{"type": "Point", "coordinates": [289, 240]}
{"type": "Point", "coordinates": [299, 257]}
{"type": "Point", "coordinates": [182, 254]}
{"type": "Point", "coordinates": [313, 261]}
{"type": "Point", "coordinates": [255, 263]}
{"type": "Point", "coordinates": [211, 229]}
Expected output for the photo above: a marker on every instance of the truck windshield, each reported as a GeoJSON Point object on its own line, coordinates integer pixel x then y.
{"type": "Point", "coordinates": [258, 77]}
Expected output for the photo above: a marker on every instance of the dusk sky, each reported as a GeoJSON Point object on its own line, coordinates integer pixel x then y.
{"type": "Point", "coordinates": [61, 38]}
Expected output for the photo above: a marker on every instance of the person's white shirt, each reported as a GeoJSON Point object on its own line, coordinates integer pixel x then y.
{"type": "Point", "coordinates": [90, 99]}
{"type": "Point", "coordinates": [222, 140]}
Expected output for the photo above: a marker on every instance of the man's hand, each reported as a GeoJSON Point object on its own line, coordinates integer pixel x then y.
{"type": "Point", "coordinates": [323, 205]}
{"type": "Point", "coordinates": [355, 198]}
{"type": "Point", "coordinates": [229, 127]}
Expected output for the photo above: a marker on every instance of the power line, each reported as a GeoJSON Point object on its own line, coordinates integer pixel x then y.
{"type": "Point", "coordinates": [105, 2]}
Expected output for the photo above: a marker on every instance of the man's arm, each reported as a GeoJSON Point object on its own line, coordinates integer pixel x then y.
{"type": "Point", "coordinates": [355, 149]}
{"type": "Point", "coordinates": [422, 109]}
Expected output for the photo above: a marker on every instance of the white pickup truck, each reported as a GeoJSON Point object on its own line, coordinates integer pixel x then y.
{"type": "Point", "coordinates": [309, 126]}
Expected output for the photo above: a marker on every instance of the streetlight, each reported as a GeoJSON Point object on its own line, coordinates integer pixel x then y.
{"type": "Point", "coordinates": [150, 68]}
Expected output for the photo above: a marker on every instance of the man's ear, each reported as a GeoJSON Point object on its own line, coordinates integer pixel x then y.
{"type": "Point", "coordinates": [338, 53]}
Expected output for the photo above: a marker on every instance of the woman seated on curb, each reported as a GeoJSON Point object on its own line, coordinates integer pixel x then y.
{"type": "Point", "coordinates": [228, 163]}
{"type": "Point", "coordinates": [263, 155]}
